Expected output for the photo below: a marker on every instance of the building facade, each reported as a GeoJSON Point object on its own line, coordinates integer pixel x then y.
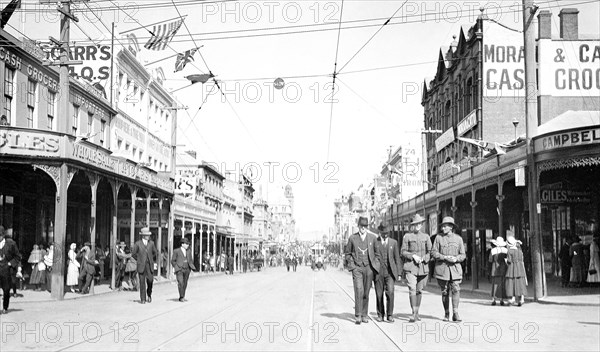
{"type": "Point", "coordinates": [63, 179]}
{"type": "Point", "coordinates": [485, 190]}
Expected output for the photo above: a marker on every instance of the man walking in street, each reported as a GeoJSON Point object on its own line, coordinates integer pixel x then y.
{"type": "Point", "coordinates": [390, 269]}
{"type": "Point", "coordinates": [362, 257]}
{"type": "Point", "coordinates": [416, 248]}
{"type": "Point", "coordinates": [10, 264]}
{"type": "Point", "coordinates": [88, 268]}
{"type": "Point", "coordinates": [182, 264]}
{"type": "Point", "coordinates": [449, 251]}
{"type": "Point", "coordinates": [144, 252]}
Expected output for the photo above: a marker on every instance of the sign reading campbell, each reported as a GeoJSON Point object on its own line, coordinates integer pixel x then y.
{"type": "Point", "coordinates": [568, 139]}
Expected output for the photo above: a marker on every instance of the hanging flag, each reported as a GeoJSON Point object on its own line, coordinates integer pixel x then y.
{"type": "Point", "coordinates": [8, 11]}
{"type": "Point", "coordinates": [499, 148]}
{"type": "Point", "coordinates": [162, 35]}
{"type": "Point", "coordinates": [184, 59]}
{"type": "Point", "coordinates": [202, 78]}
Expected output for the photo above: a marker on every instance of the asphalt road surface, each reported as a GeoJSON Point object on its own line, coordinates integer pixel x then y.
{"type": "Point", "coordinates": [276, 310]}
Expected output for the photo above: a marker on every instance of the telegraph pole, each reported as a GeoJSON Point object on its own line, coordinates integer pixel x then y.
{"type": "Point", "coordinates": [60, 204]}
{"type": "Point", "coordinates": [531, 124]}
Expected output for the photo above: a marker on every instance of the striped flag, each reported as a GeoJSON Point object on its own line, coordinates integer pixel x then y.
{"type": "Point", "coordinates": [184, 59]}
{"type": "Point", "coordinates": [162, 35]}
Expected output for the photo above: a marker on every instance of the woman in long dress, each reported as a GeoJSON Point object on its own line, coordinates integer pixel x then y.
{"type": "Point", "coordinates": [497, 257]}
{"type": "Point", "coordinates": [73, 268]}
{"type": "Point", "coordinates": [515, 283]}
{"type": "Point", "coordinates": [594, 261]}
{"type": "Point", "coordinates": [38, 271]}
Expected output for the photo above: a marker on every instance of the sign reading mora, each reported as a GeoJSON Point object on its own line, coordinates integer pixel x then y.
{"type": "Point", "coordinates": [503, 62]}
{"type": "Point", "coordinates": [570, 68]}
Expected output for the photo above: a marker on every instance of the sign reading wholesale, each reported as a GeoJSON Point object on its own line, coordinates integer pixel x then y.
{"type": "Point", "coordinates": [570, 68]}
{"type": "Point", "coordinates": [503, 62]}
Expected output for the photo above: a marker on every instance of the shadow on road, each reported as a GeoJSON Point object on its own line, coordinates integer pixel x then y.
{"type": "Point", "coordinates": [341, 316]}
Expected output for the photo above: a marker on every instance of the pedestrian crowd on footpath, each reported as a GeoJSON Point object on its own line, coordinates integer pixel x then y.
{"type": "Point", "coordinates": [579, 263]}
{"type": "Point", "coordinates": [375, 259]}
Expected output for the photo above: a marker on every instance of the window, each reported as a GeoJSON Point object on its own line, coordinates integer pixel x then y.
{"type": "Point", "coordinates": [75, 119]}
{"type": "Point", "coordinates": [119, 144]}
{"type": "Point", "coordinates": [31, 85]}
{"type": "Point", "coordinates": [141, 155]}
{"type": "Point", "coordinates": [102, 132]}
{"type": "Point", "coordinates": [90, 124]}
{"type": "Point", "coordinates": [134, 153]}
{"type": "Point", "coordinates": [127, 146]}
{"type": "Point", "coordinates": [51, 109]}
{"type": "Point", "coordinates": [9, 79]}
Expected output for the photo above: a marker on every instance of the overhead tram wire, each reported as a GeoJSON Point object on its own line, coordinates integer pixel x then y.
{"type": "Point", "coordinates": [218, 86]}
{"type": "Point", "coordinates": [337, 47]}
{"type": "Point", "coordinates": [374, 34]}
{"type": "Point", "coordinates": [175, 40]}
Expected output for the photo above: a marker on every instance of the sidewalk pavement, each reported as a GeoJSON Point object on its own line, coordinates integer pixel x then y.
{"type": "Point", "coordinates": [588, 295]}
{"type": "Point", "coordinates": [30, 296]}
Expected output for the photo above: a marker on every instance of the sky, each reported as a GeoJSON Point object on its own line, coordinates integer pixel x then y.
{"type": "Point", "coordinates": [297, 135]}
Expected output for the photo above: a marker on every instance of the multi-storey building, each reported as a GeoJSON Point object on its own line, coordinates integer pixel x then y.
{"type": "Point", "coordinates": [478, 93]}
{"type": "Point", "coordinates": [65, 178]}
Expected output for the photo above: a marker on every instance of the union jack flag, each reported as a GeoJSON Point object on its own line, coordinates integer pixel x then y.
{"type": "Point", "coordinates": [184, 59]}
{"type": "Point", "coordinates": [162, 35]}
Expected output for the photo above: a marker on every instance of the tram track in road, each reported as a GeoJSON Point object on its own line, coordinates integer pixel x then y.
{"type": "Point", "coordinates": [162, 316]}
{"type": "Point", "coordinates": [221, 311]}
{"type": "Point", "coordinates": [377, 324]}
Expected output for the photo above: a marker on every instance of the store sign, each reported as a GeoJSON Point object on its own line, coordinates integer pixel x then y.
{"type": "Point", "coordinates": [185, 185]}
{"type": "Point", "coordinates": [560, 196]}
{"type": "Point", "coordinates": [569, 68]}
{"type": "Point", "coordinates": [503, 62]}
{"type": "Point", "coordinates": [586, 136]}
{"type": "Point", "coordinates": [446, 138]}
{"type": "Point", "coordinates": [433, 224]}
{"type": "Point", "coordinates": [29, 143]}
{"type": "Point", "coordinates": [90, 106]}
{"type": "Point", "coordinates": [467, 123]}
{"type": "Point", "coordinates": [102, 159]}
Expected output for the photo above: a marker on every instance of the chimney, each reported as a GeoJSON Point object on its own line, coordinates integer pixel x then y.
{"type": "Point", "coordinates": [569, 29]}
{"type": "Point", "coordinates": [545, 24]}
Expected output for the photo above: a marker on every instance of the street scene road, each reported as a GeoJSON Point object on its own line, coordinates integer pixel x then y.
{"type": "Point", "coordinates": [307, 310]}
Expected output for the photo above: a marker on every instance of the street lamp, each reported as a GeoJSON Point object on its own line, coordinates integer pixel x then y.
{"type": "Point", "coordinates": [515, 123]}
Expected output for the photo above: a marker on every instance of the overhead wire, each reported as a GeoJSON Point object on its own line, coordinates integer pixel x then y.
{"type": "Point", "coordinates": [337, 47]}
{"type": "Point", "coordinates": [374, 34]}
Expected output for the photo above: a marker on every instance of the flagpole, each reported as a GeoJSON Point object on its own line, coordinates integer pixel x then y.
{"type": "Point", "coordinates": [112, 65]}
{"type": "Point", "coordinates": [152, 24]}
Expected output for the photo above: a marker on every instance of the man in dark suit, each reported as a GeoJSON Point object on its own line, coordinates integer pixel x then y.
{"type": "Point", "coordinates": [182, 264]}
{"type": "Point", "coordinates": [10, 264]}
{"type": "Point", "coordinates": [145, 253]}
{"type": "Point", "coordinates": [88, 268]}
{"type": "Point", "coordinates": [362, 258]}
{"type": "Point", "coordinates": [390, 269]}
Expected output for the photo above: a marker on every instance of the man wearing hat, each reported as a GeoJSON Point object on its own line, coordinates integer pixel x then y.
{"type": "Point", "coordinates": [362, 258]}
{"type": "Point", "coordinates": [416, 251]}
{"type": "Point", "coordinates": [10, 262]}
{"type": "Point", "coordinates": [183, 262]}
{"type": "Point", "coordinates": [144, 252]}
{"type": "Point", "coordinates": [449, 251]}
{"type": "Point", "coordinates": [120, 262]}
{"type": "Point", "coordinates": [390, 269]}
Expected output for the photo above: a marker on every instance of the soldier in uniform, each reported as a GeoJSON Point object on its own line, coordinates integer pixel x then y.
{"type": "Point", "coordinates": [416, 248]}
{"type": "Point", "coordinates": [362, 257]}
{"type": "Point", "coordinates": [449, 251]}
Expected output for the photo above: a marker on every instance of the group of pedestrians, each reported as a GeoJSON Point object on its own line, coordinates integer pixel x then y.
{"type": "Point", "coordinates": [291, 260]}
{"type": "Point", "coordinates": [377, 259]}
{"type": "Point", "coordinates": [509, 279]}
{"type": "Point", "coordinates": [579, 264]}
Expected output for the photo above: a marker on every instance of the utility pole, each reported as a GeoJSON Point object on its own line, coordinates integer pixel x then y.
{"type": "Point", "coordinates": [531, 124]}
{"type": "Point", "coordinates": [60, 205]}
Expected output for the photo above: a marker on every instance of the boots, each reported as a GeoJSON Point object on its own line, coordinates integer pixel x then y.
{"type": "Point", "coordinates": [413, 306]}
{"type": "Point", "coordinates": [446, 304]}
{"type": "Point", "coordinates": [455, 301]}
{"type": "Point", "coordinates": [417, 317]}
